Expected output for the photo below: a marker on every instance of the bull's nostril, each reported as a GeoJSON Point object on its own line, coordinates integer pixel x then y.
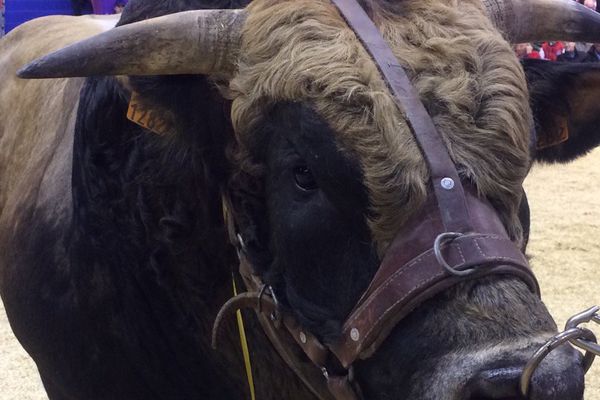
{"type": "Point", "coordinates": [558, 377]}
{"type": "Point", "coordinates": [495, 384]}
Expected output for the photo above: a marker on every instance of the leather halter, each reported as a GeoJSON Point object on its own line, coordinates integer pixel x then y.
{"type": "Point", "coordinates": [456, 236]}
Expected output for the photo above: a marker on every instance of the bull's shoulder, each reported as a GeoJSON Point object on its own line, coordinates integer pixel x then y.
{"type": "Point", "coordinates": [37, 115]}
{"type": "Point", "coordinates": [41, 36]}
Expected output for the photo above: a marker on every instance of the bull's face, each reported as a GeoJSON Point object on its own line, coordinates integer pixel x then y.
{"type": "Point", "coordinates": [341, 174]}
{"type": "Point", "coordinates": [315, 247]}
{"type": "Point", "coordinates": [328, 172]}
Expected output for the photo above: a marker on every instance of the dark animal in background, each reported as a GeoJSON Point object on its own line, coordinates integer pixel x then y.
{"type": "Point", "coordinates": [81, 7]}
{"type": "Point", "coordinates": [114, 253]}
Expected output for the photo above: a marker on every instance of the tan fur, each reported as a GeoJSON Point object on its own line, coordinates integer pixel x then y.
{"type": "Point", "coordinates": [466, 74]}
{"type": "Point", "coordinates": [36, 136]}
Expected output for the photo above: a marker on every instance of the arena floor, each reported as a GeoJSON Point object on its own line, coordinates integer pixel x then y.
{"type": "Point", "coordinates": [565, 241]}
{"type": "Point", "coordinates": [565, 245]}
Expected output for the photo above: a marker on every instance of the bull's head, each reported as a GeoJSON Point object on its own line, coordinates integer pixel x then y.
{"type": "Point", "coordinates": [328, 170]}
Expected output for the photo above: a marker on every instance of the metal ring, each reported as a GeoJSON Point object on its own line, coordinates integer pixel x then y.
{"type": "Point", "coordinates": [541, 353]}
{"type": "Point", "coordinates": [590, 345]}
{"type": "Point", "coordinates": [260, 296]}
{"type": "Point", "coordinates": [591, 314]}
{"type": "Point", "coordinates": [275, 315]}
{"type": "Point", "coordinates": [273, 296]}
{"type": "Point", "coordinates": [587, 341]}
{"type": "Point", "coordinates": [437, 250]}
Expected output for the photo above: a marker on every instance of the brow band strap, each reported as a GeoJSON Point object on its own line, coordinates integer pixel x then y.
{"type": "Point", "coordinates": [451, 201]}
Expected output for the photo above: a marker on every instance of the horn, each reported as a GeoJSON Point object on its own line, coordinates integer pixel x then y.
{"type": "Point", "coordinates": [191, 42]}
{"type": "Point", "coordinates": [534, 20]}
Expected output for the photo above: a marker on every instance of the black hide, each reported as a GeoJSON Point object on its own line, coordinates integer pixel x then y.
{"type": "Point", "coordinates": [81, 6]}
{"type": "Point", "coordinates": [564, 94]}
{"type": "Point", "coordinates": [322, 254]}
{"type": "Point", "coordinates": [130, 283]}
{"type": "Point", "coordinates": [119, 296]}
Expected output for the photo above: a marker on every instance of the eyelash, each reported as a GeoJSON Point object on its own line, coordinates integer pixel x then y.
{"type": "Point", "coordinates": [304, 178]}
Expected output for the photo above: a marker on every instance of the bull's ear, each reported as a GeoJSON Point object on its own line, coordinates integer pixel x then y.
{"type": "Point", "coordinates": [565, 99]}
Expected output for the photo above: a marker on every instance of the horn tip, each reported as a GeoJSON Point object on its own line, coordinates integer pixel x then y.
{"type": "Point", "coordinates": [26, 72]}
{"type": "Point", "coordinates": [50, 66]}
{"type": "Point", "coordinates": [33, 70]}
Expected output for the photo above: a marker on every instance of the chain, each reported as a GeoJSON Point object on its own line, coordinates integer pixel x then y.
{"type": "Point", "coordinates": [590, 315]}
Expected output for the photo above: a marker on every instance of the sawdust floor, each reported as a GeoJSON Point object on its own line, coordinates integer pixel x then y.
{"type": "Point", "coordinates": [565, 245]}
{"type": "Point", "coordinates": [565, 241]}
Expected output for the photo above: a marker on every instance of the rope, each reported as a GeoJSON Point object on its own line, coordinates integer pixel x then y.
{"type": "Point", "coordinates": [244, 343]}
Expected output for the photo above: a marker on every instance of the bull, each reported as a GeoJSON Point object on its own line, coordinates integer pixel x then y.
{"type": "Point", "coordinates": [115, 255]}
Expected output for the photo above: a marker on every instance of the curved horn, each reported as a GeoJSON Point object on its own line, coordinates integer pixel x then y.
{"type": "Point", "coordinates": [533, 20]}
{"type": "Point", "coordinates": [191, 42]}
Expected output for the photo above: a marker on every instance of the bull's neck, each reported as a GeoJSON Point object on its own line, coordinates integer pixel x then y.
{"type": "Point", "coordinates": [148, 240]}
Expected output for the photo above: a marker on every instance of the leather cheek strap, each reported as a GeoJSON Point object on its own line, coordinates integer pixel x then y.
{"type": "Point", "coordinates": [342, 389]}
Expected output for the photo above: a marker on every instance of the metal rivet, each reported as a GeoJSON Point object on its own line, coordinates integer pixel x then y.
{"type": "Point", "coordinates": [302, 337]}
{"type": "Point", "coordinates": [354, 334]}
{"type": "Point", "coordinates": [447, 183]}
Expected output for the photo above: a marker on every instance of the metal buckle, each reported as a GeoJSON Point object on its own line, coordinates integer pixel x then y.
{"type": "Point", "coordinates": [437, 250]}
{"type": "Point", "coordinates": [275, 316]}
{"type": "Point", "coordinates": [579, 337]}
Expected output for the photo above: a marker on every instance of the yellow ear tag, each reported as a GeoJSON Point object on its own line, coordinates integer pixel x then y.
{"type": "Point", "coordinates": [153, 119]}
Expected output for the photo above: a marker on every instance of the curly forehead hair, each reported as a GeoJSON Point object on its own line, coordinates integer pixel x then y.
{"type": "Point", "coordinates": [465, 72]}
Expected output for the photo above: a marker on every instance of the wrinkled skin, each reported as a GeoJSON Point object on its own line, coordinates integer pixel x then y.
{"type": "Point", "coordinates": [115, 257]}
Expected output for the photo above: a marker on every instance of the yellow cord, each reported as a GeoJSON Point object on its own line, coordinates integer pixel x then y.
{"type": "Point", "coordinates": [245, 350]}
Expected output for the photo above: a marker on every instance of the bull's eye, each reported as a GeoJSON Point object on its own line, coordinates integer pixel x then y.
{"type": "Point", "coordinates": [304, 178]}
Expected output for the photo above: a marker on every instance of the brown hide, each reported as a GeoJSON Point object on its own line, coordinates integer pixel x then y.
{"type": "Point", "coordinates": [37, 117]}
